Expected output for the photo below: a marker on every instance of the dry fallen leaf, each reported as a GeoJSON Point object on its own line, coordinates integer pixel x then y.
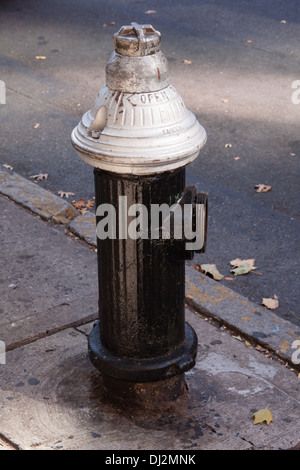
{"type": "Point", "coordinates": [241, 270]}
{"type": "Point", "coordinates": [263, 415]}
{"type": "Point", "coordinates": [40, 57]}
{"type": "Point", "coordinates": [197, 268]}
{"type": "Point", "coordinates": [239, 262]}
{"type": "Point", "coordinates": [36, 126]}
{"type": "Point", "coordinates": [78, 204]}
{"type": "Point", "coordinates": [238, 337]}
{"type": "Point", "coordinates": [185, 61]}
{"type": "Point", "coordinates": [212, 271]}
{"type": "Point", "coordinates": [271, 303]}
{"type": "Point", "coordinates": [262, 188]}
{"type": "Point", "coordinates": [6, 165]}
{"type": "Point", "coordinates": [12, 286]}
{"type": "Point", "coordinates": [65, 194]}
{"type": "Point", "coordinates": [249, 41]}
{"type": "Point", "coordinates": [224, 101]}
{"type": "Point", "coordinates": [90, 203]}
{"type": "Point", "coordinates": [111, 23]}
{"type": "Point", "coordinates": [260, 348]}
{"type": "Point", "coordinates": [242, 266]}
{"type": "Point", "coordinates": [39, 177]}
{"type": "Point", "coordinates": [82, 206]}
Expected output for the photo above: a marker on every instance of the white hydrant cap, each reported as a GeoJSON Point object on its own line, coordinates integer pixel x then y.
{"type": "Point", "coordinates": [138, 123]}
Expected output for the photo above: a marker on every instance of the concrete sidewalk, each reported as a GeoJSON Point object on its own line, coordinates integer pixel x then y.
{"type": "Point", "coordinates": [51, 395]}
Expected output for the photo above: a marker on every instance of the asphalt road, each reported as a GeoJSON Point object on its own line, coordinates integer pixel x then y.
{"type": "Point", "coordinates": [244, 57]}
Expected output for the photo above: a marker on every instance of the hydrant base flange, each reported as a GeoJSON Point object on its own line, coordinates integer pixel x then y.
{"type": "Point", "coordinates": [159, 396]}
{"type": "Point", "coordinates": [178, 361]}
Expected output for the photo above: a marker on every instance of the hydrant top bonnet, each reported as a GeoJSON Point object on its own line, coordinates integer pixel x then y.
{"type": "Point", "coordinates": [138, 123]}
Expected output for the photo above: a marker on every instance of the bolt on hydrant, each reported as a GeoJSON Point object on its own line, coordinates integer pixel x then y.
{"type": "Point", "coordinates": [139, 137]}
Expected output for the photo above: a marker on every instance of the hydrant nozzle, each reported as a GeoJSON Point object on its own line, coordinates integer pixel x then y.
{"type": "Point", "coordinates": [137, 40]}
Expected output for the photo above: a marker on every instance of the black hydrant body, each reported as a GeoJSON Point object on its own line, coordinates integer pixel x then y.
{"type": "Point", "coordinates": [139, 137]}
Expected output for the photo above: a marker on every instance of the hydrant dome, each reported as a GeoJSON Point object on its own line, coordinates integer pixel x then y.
{"type": "Point", "coordinates": [138, 123]}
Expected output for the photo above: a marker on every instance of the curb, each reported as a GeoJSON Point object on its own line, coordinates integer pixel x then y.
{"type": "Point", "coordinates": [38, 200]}
{"type": "Point", "coordinates": [84, 227]}
{"type": "Point", "coordinates": [255, 323]}
{"type": "Point", "coordinates": [204, 295]}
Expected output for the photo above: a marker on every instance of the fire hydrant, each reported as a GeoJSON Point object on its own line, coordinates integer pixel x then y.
{"type": "Point", "coordinates": [139, 137]}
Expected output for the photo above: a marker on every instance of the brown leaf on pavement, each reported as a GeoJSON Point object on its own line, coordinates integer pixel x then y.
{"type": "Point", "coordinates": [242, 266]}
{"type": "Point", "coordinates": [111, 23]}
{"type": "Point", "coordinates": [82, 206]}
{"type": "Point", "coordinates": [238, 262]}
{"type": "Point", "coordinates": [212, 271]}
{"type": "Point", "coordinates": [65, 194]}
{"type": "Point", "coordinates": [78, 204]}
{"type": "Point", "coordinates": [262, 188]}
{"type": "Point", "coordinates": [39, 177]}
{"type": "Point", "coordinates": [6, 165]}
{"type": "Point", "coordinates": [197, 268]}
{"type": "Point", "coordinates": [90, 203]}
{"type": "Point", "coordinates": [262, 416]}
{"type": "Point", "coordinates": [271, 303]}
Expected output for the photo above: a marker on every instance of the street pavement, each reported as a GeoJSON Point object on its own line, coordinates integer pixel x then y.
{"type": "Point", "coordinates": [234, 64]}
{"type": "Point", "coordinates": [51, 396]}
